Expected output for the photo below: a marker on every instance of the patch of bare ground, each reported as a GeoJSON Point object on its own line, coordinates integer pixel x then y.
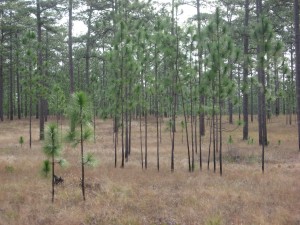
{"type": "Point", "coordinates": [243, 195]}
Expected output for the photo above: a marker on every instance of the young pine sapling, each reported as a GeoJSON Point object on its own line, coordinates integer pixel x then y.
{"type": "Point", "coordinates": [80, 118]}
{"type": "Point", "coordinates": [52, 149]}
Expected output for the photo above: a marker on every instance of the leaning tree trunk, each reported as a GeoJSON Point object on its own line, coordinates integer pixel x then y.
{"type": "Point", "coordinates": [297, 44]}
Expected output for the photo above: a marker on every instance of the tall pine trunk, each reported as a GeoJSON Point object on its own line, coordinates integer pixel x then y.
{"type": "Point", "coordinates": [297, 44]}
{"type": "Point", "coordinates": [1, 70]}
{"type": "Point", "coordinates": [11, 78]}
{"type": "Point", "coordinates": [70, 48]}
{"type": "Point", "coordinates": [87, 50]}
{"type": "Point", "coordinates": [39, 67]}
{"type": "Point", "coordinates": [245, 72]}
{"type": "Point", "coordinates": [261, 78]}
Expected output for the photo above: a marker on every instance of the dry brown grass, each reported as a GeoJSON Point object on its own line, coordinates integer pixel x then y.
{"type": "Point", "coordinates": [134, 196]}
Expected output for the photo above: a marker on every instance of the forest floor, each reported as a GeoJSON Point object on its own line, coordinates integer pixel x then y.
{"type": "Point", "coordinates": [243, 195]}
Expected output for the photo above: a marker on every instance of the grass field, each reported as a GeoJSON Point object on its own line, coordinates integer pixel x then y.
{"type": "Point", "coordinates": [243, 195]}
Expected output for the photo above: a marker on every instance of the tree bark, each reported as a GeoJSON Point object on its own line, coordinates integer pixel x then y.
{"type": "Point", "coordinates": [261, 92]}
{"type": "Point", "coordinates": [1, 71]}
{"type": "Point", "coordinates": [11, 103]}
{"type": "Point", "coordinates": [39, 67]}
{"type": "Point", "coordinates": [70, 47]}
{"type": "Point", "coordinates": [245, 72]}
{"type": "Point", "coordinates": [297, 62]}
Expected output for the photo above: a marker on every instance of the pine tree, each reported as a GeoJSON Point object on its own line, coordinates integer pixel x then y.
{"type": "Point", "coordinates": [52, 149]}
{"type": "Point", "coordinates": [80, 118]}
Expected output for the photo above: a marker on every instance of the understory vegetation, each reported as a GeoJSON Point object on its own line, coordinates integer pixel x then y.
{"type": "Point", "coordinates": [243, 195]}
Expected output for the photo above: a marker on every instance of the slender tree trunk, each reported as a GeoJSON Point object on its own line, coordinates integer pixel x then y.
{"type": "Point", "coordinates": [130, 133]}
{"type": "Point", "coordinates": [87, 52]}
{"type": "Point", "coordinates": [116, 138]}
{"type": "Point", "coordinates": [18, 80]}
{"type": "Point", "coordinates": [30, 104]}
{"type": "Point", "coordinates": [126, 126]}
{"type": "Point", "coordinates": [30, 121]}
{"type": "Point", "coordinates": [201, 97]}
{"type": "Point", "coordinates": [220, 126]}
{"type": "Point", "coordinates": [11, 78]}
{"type": "Point", "coordinates": [261, 92]}
{"type": "Point", "coordinates": [230, 105]}
{"type": "Point", "coordinates": [277, 102]}
{"type": "Point", "coordinates": [82, 157]}
{"type": "Point", "coordinates": [239, 88]}
{"type": "Point", "coordinates": [245, 73]}
{"type": "Point", "coordinates": [1, 70]}
{"type": "Point", "coordinates": [122, 129]}
{"type": "Point", "coordinates": [214, 125]}
{"type": "Point", "coordinates": [70, 48]}
{"type": "Point", "coordinates": [52, 173]}
{"type": "Point", "coordinates": [146, 128]}
{"type": "Point", "coordinates": [141, 137]}
{"type": "Point", "coordinates": [297, 44]}
{"type": "Point", "coordinates": [186, 132]}
{"type": "Point", "coordinates": [252, 101]}
{"type": "Point", "coordinates": [192, 128]}
{"type": "Point", "coordinates": [39, 67]}
{"type": "Point", "coordinates": [156, 107]}
{"type": "Point", "coordinates": [209, 147]}
{"type": "Point", "coordinates": [45, 101]}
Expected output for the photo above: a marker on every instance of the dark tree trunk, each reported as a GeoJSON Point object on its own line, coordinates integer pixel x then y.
{"type": "Point", "coordinates": [201, 97]}
{"type": "Point", "coordinates": [146, 123]}
{"type": "Point", "coordinates": [297, 44]}
{"type": "Point", "coordinates": [1, 72]}
{"type": "Point", "coordinates": [261, 92]}
{"type": "Point", "coordinates": [156, 106]}
{"type": "Point", "coordinates": [82, 158]}
{"type": "Point", "coordinates": [141, 138]}
{"type": "Point", "coordinates": [245, 72]}
{"type": "Point", "coordinates": [230, 105]}
{"type": "Point", "coordinates": [277, 102]}
{"type": "Point", "coordinates": [11, 79]}
{"type": "Point", "coordinates": [173, 107]}
{"type": "Point", "coordinates": [18, 80]}
{"type": "Point", "coordinates": [39, 67]}
{"type": "Point", "coordinates": [126, 126]}
{"type": "Point", "coordinates": [52, 173]}
{"type": "Point", "coordinates": [30, 104]}
{"type": "Point", "coordinates": [70, 48]}
{"type": "Point", "coordinates": [252, 100]}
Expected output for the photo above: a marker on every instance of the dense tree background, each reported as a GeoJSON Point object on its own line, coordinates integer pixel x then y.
{"type": "Point", "coordinates": [140, 59]}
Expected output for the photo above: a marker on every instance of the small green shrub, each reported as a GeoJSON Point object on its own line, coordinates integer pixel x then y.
{"type": "Point", "coordinates": [214, 221]}
{"type": "Point", "coordinates": [21, 141]}
{"type": "Point", "coordinates": [9, 169]}
{"type": "Point", "coordinates": [250, 141]}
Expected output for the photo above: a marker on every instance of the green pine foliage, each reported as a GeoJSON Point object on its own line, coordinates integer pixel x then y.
{"type": "Point", "coordinates": [52, 149]}
{"type": "Point", "coordinates": [79, 113]}
{"type": "Point", "coordinates": [21, 141]}
{"type": "Point", "coordinates": [52, 145]}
